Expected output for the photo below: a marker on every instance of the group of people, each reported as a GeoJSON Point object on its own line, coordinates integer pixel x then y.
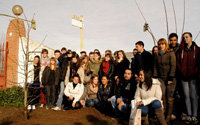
{"type": "Point", "coordinates": [111, 82]}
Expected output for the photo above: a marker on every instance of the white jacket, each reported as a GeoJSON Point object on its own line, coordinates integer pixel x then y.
{"type": "Point", "coordinates": [76, 92]}
{"type": "Point", "coordinates": [147, 97]}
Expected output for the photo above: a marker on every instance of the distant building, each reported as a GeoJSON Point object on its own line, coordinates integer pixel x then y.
{"type": "Point", "coordinates": [14, 58]}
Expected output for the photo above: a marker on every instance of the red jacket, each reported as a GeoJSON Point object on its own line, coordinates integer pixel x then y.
{"type": "Point", "coordinates": [187, 61]}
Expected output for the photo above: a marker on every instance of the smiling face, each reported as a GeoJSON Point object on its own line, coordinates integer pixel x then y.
{"type": "Point", "coordinates": [104, 80]}
{"type": "Point", "coordinates": [52, 62]}
{"type": "Point", "coordinates": [74, 60]}
{"type": "Point", "coordinates": [127, 74]}
{"type": "Point", "coordinates": [95, 80]}
{"type": "Point", "coordinates": [75, 80]}
{"type": "Point", "coordinates": [173, 41]}
{"type": "Point", "coordinates": [141, 75]}
{"type": "Point", "coordinates": [155, 51]}
{"type": "Point", "coordinates": [57, 55]}
{"type": "Point", "coordinates": [120, 55]}
{"type": "Point", "coordinates": [139, 48]}
{"type": "Point", "coordinates": [162, 46]}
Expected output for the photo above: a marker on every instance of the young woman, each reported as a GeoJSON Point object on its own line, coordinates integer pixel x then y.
{"type": "Point", "coordinates": [188, 57]}
{"type": "Point", "coordinates": [34, 84]}
{"type": "Point", "coordinates": [50, 78]}
{"type": "Point", "coordinates": [93, 66]}
{"type": "Point", "coordinates": [72, 69]}
{"type": "Point", "coordinates": [89, 97]}
{"type": "Point", "coordinates": [104, 94]}
{"type": "Point", "coordinates": [85, 78]}
{"type": "Point", "coordinates": [148, 95]}
{"type": "Point", "coordinates": [106, 67]}
{"type": "Point", "coordinates": [122, 63]}
{"type": "Point", "coordinates": [164, 68]}
{"type": "Point", "coordinates": [73, 92]}
{"type": "Point", "coordinates": [155, 51]}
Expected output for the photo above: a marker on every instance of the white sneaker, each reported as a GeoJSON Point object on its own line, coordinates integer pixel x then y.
{"type": "Point", "coordinates": [56, 108]}
{"type": "Point", "coordinates": [42, 105]}
{"type": "Point", "coordinates": [33, 107]}
{"type": "Point", "coordinates": [29, 107]}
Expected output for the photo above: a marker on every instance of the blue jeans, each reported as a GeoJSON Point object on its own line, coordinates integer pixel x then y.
{"type": "Point", "coordinates": [114, 104]}
{"type": "Point", "coordinates": [91, 102]}
{"type": "Point", "coordinates": [156, 104]}
{"type": "Point", "coordinates": [60, 97]}
{"type": "Point", "coordinates": [191, 101]}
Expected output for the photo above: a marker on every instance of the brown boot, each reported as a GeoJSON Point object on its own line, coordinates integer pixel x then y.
{"type": "Point", "coordinates": [145, 120]}
{"type": "Point", "coordinates": [169, 109]}
{"type": "Point", "coordinates": [160, 116]}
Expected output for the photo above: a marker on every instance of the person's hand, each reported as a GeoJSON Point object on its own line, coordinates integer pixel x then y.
{"type": "Point", "coordinates": [139, 103]}
{"type": "Point", "coordinates": [82, 102]}
{"type": "Point", "coordinates": [71, 97]}
{"type": "Point", "coordinates": [109, 99]}
{"type": "Point", "coordinates": [121, 104]}
{"type": "Point", "coordinates": [42, 86]}
{"type": "Point", "coordinates": [170, 82]}
{"type": "Point", "coordinates": [116, 77]}
{"type": "Point", "coordinates": [119, 100]}
{"type": "Point", "coordinates": [73, 104]}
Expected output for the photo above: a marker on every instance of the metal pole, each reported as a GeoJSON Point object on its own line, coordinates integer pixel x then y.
{"type": "Point", "coordinates": [81, 38]}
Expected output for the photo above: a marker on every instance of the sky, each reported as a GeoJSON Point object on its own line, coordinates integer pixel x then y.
{"type": "Point", "coordinates": [108, 24]}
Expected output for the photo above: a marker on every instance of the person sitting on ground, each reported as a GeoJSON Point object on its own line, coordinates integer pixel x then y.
{"type": "Point", "coordinates": [148, 95]}
{"type": "Point", "coordinates": [89, 97]}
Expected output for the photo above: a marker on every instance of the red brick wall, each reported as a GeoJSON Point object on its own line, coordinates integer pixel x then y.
{"type": "Point", "coordinates": [17, 28]}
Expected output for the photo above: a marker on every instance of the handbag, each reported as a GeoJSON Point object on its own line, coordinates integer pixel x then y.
{"type": "Point", "coordinates": [135, 115]}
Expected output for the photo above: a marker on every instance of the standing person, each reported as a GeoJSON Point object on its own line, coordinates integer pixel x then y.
{"type": "Point", "coordinates": [188, 67]}
{"type": "Point", "coordinates": [82, 70]}
{"type": "Point", "coordinates": [164, 68]}
{"type": "Point", "coordinates": [89, 97]}
{"type": "Point", "coordinates": [93, 66]}
{"type": "Point", "coordinates": [122, 63]}
{"type": "Point", "coordinates": [143, 59]}
{"type": "Point", "coordinates": [148, 95]}
{"type": "Point", "coordinates": [63, 50]}
{"type": "Point", "coordinates": [173, 42]}
{"type": "Point", "coordinates": [91, 56]}
{"type": "Point", "coordinates": [133, 59]}
{"type": "Point", "coordinates": [45, 60]}
{"type": "Point", "coordinates": [72, 69]}
{"type": "Point", "coordinates": [64, 60]}
{"type": "Point", "coordinates": [155, 51]}
{"type": "Point", "coordinates": [50, 78]}
{"type": "Point", "coordinates": [83, 53]}
{"type": "Point", "coordinates": [106, 67]}
{"type": "Point", "coordinates": [34, 84]}
{"type": "Point", "coordinates": [73, 92]}
{"type": "Point", "coordinates": [104, 93]}
{"type": "Point", "coordinates": [57, 55]}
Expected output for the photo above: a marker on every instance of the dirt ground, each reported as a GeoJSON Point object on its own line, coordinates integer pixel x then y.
{"type": "Point", "coordinates": [41, 116]}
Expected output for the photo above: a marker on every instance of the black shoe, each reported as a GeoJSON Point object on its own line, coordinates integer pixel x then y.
{"type": "Point", "coordinates": [66, 108]}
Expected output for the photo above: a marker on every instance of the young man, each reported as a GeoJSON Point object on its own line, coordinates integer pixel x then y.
{"type": "Point", "coordinates": [133, 59]}
{"type": "Point", "coordinates": [57, 55]}
{"type": "Point", "coordinates": [63, 50]}
{"type": "Point", "coordinates": [173, 40]}
{"type": "Point", "coordinates": [125, 93]}
{"type": "Point", "coordinates": [143, 59]}
{"type": "Point", "coordinates": [64, 60]}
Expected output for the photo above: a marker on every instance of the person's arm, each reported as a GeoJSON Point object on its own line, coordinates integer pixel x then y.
{"type": "Point", "coordinates": [81, 74]}
{"type": "Point", "coordinates": [66, 91]}
{"type": "Point", "coordinates": [137, 94]}
{"type": "Point", "coordinates": [112, 70]}
{"type": "Point", "coordinates": [155, 72]}
{"type": "Point", "coordinates": [83, 97]}
{"type": "Point", "coordinates": [172, 66]}
{"type": "Point", "coordinates": [77, 98]}
{"type": "Point", "coordinates": [44, 75]}
{"type": "Point", "coordinates": [67, 75]}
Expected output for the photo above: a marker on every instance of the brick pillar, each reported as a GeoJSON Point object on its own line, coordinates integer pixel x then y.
{"type": "Point", "coordinates": [16, 29]}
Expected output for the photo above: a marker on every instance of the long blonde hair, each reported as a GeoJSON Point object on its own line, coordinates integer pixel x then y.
{"type": "Point", "coordinates": [54, 59]}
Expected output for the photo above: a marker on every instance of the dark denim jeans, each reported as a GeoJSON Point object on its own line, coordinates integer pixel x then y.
{"type": "Point", "coordinates": [91, 102]}
{"type": "Point", "coordinates": [156, 104]}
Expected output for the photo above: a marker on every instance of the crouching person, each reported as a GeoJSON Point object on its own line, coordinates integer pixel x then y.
{"type": "Point", "coordinates": [89, 97]}
{"type": "Point", "coordinates": [72, 93]}
{"type": "Point", "coordinates": [124, 94]}
{"type": "Point", "coordinates": [148, 95]}
{"type": "Point", "coordinates": [104, 93]}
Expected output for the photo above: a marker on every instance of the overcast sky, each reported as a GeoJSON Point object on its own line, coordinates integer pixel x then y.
{"type": "Point", "coordinates": [109, 24]}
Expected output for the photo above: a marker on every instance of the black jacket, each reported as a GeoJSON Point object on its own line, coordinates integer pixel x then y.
{"type": "Point", "coordinates": [64, 62]}
{"type": "Point", "coordinates": [105, 93]}
{"type": "Point", "coordinates": [126, 90]}
{"type": "Point", "coordinates": [46, 74]}
{"type": "Point", "coordinates": [110, 70]}
{"type": "Point", "coordinates": [121, 67]}
{"type": "Point", "coordinates": [143, 61]}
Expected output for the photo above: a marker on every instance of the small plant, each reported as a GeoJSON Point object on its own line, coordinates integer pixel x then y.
{"type": "Point", "coordinates": [12, 97]}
